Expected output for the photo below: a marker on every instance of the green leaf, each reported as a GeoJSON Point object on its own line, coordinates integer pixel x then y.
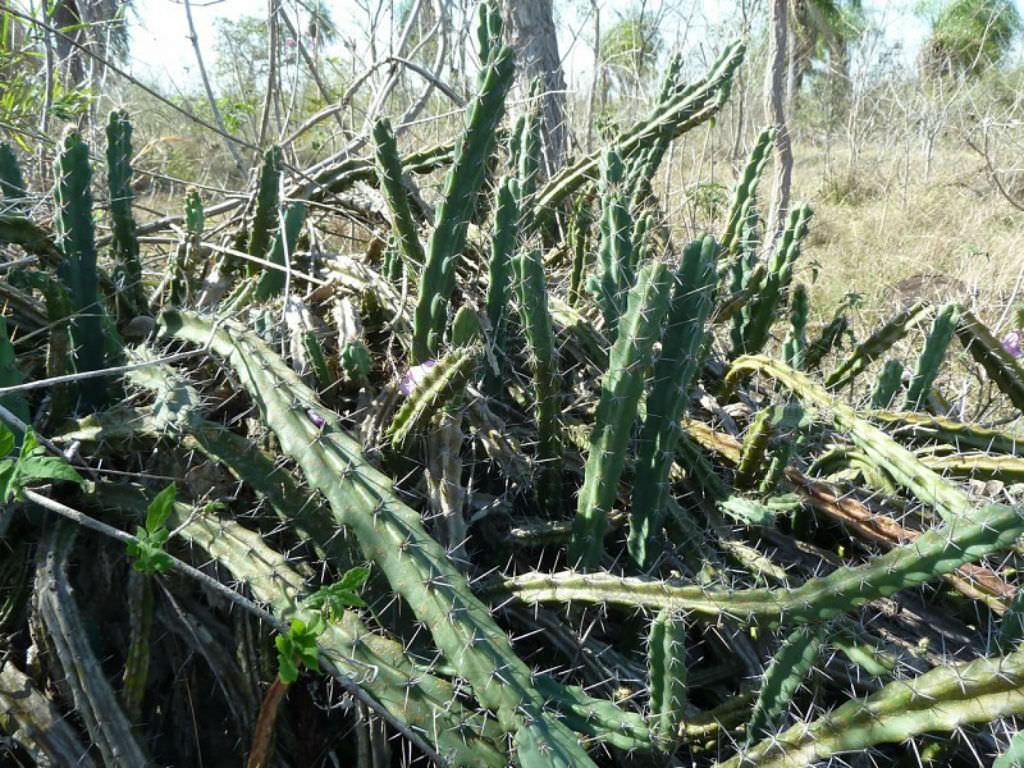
{"type": "Point", "coordinates": [8, 474]}
{"type": "Point", "coordinates": [353, 578]}
{"type": "Point", "coordinates": [41, 467]}
{"type": "Point", "coordinates": [6, 440]}
{"type": "Point", "coordinates": [160, 508]}
{"type": "Point", "coordinates": [286, 669]}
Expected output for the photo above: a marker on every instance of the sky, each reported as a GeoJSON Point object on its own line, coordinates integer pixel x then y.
{"type": "Point", "coordinates": [161, 53]}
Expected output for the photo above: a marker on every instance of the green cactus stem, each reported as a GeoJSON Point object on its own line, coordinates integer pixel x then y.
{"type": "Point", "coordinates": [674, 373]}
{"type": "Point", "coordinates": [666, 670]}
{"type": "Point", "coordinates": [499, 278]}
{"type": "Point", "coordinates": [10, 376]}
{"type": "Point", "coordinates": [77, 268]}
{"type": "Point", "coordinates": [888, 384]}
{"type": "Point", "coordinates": [786, 673]}
{"type": "Point", "coordinates": [621, 388]}
{"type": "Point", "coordinates": [877, 344]}
{"type": "Point", "coordinates": [827, 340]}
{"type": "Point", "coordinates": [1000, 366]}
{"type": "Point", "coordinates": [439, 385]}
{"type": "Point", "coordinates": [794, 349]}
{"type": "Point", "coordinates": [616, 255]}
{"type": "Point", "coordinates": [919, 428]}
{"type": "Point", "coordinates": [128, 274]}
{"type": "Point", "coordinates": [268, 197]}
{"type": "Point", "coordinates": [12, 185]}
{"type": "Point", "coordinates": [437, 281]}
{"type": "Point", "coordinates": [931, 357]}
{"type": "Point", "coordinates": [188, 251]}
{"type": "Point", "coordinates": [272, 282]}
{"type": "Point", "coordinates": [393, 185]}
{"type": "Point", "coordinates": [536, 321]}
{"type": "Point", "coordinates": [745, 194]}
{"type": "Point", "coordinates": [390, 534]}
{"type": "Point", "coordinates": [935, 553]}
{"type": "Point", "coordinates": [948, 501]}
{"type": "Point", "coordinates": [136, 668]}
{"type": "Point", "coordinates": [946, 698]}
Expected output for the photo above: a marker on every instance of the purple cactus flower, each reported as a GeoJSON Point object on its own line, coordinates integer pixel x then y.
{"type": "Point", "coordinates": [316, 418]}
{"type": "Point", "coordinates": [1012, 342]}
{"type": "Point", "coordinates": [415, 376]}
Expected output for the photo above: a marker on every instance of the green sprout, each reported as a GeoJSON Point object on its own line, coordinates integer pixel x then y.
{"type": "Point", "coordinates": [149, 550]}
{"type": "Point", "coordinates": [31, 465]}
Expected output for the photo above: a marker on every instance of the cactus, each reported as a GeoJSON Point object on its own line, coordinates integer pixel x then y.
{"type": "Point", "coordinates": [666, 665]}
{"type": "Point", "coordinates": [753, 459]}
{"type": "Point", "coordinates": [794, 349]}
{"type": "Point", "coordinates": [579, 242]}
{"type": "Point", "coordinates": [949, 502]}
{"type": "Point", "coordinates": [925, 427]}
{"type": "Point", "coordinates": [1013, 757]}
{"type": "Point", "coordinates": [785, 674]}
{"type": "Point", "coordinates": [10, 376]}
{"type": "Point", "coordinates": [999, 364]}
{"type": "Point", "coordinates": [503, 245]}
{"type": "Point", "coordinates": [877, 344]}
{"type": "Point", "coordinates": [529, 155]}
{"type": "Point", "coordinates": [616, 256]}
{"type": "Point", "coordinates": [440, 383]}
{"type": "Point", "coordinates": [888, 384]}
{"type": "Point", "coordinates": [136, 667]}
{"type": "Point", "coordinates": [536, 320]}
{"type": "Point", "coordinates": [437, 281]}
{"type": "Point", "coordinates": [393, 187]}
{"type": "Point", "coordinates": [272, 282]}
{"type": "Point", "coordinates": [12, 185]}
{"type": "Point", "coordinates": [268, 198]}
{"type": "Point", "coordinates": [761, 311]}
{"type": "Point", "coordinates": [988, 529]}
{"type": "Point", "coordinates": [465, 328]}
{"type": "Point", "coordinates": [944, 699]}
{"type": "Point", "coordinates": [317, 360]}
{"type": "Point", "coordinates": [1011, 628]}
{"type": "Point", "coordinates": [826, 341]}
{"type": "Point", "coordinates": [128, 274]}
{"type": "Point", "coordinates": [391, 535]}
{"type": "Point", "coordinates": [77, 268]}
{"type": "Point", "coordinates": [188, 251]}
{"type": "Point", "coordinates": [674, 372]}
{"type": "Point", "coordinates": [931, 357]}
{"type": "Point", "coordinates": [744, 196]}
{"type": "Point", "coordinates": [621, 387]}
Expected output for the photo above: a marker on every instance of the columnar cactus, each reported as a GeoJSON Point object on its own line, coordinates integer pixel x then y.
{"type": "Point", "coordinates": [128, 276]}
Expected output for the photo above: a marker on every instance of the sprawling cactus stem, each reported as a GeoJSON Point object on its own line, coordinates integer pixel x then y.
{"type": "Point", "coordinates": [674, 372]}
{"type": "Point", "coordinates": [390, 534]}
{"type": "Point", "coordinates": [666, 668]}
{"type": "Point", "coordinates": [878, 344]}
{"type": "Point", "coordinates": [393, 186]}
{"type": "Point", "coordinates": [943, 699]}
{"type": "Point", "coordinates": [795, 346]}
{"type": "Point", "coordinates": [272, 282]}
{"type": "Point", "coordinates": [621, 388]}
{"type": "Point", "coordinates": [533, 308]}
{"type": "Point", "coordinates": [77, 269]}
{"type": "Point", "coordinates": [12, 185]}
{"type": "Point", "coordinates": [139, 598]}
{"type": "Point", "coordinates": [935, 553]}
{"type": "Point", "coordinates": [119, 181]}
{"type": "Point", "coordinates": [826, 341]}
{"type": "Point", "coordinates": [744, 196]}
{"type": "Point", "coordinates": [922, 427]}
{"type": "Point", "coordinates": [378, 663]}
{"type": "Point", "coordinates": [887, 385]}
{"type": "Point", "coordinates": [440, 384]}
{"type": "Point", "coordinates": [687, 109]}
{"type": "Point", "coordinates": [753, 459]}
{"type": "Point", "coordinates": [785, 674]}
{"type": "Point", "coordinates": [437, 281]}
{"type": "Point", "coordinates": [949, 501]}
{"type": "Point", "coordinates": [268, 198]}
{"type": "Point", "coordinates": [931, 357]}
{"type": "Point", "coordinates": [503, 246]}
{"type": "Point", "coordinates": [762, 310]}
{"type": "Point", "coordinates": [1000, 366]}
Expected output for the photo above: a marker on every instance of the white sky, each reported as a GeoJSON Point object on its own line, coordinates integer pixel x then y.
{"type": "Point", "coordinates": [161, 53]}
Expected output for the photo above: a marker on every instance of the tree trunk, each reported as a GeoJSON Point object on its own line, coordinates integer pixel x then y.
{"type": "Point", "coordinates": [531, 30]}
{"type": "Point", "coordinates": [775, 115]}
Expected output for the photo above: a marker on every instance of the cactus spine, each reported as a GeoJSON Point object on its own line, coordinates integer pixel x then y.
{"type": "Point", "coordinates": [437, 281]}
{"type": "Point", "coordinates": [533, 308]}
{"type": "Point", "coordinates": [621, 387]}
{"type": "Point", "coordinates": [943, 327]}
{"type": "Point", "coordinates": [77, 268]}
{"type": "Point", "coordinates": [674, 372]}
{"type": "Point", "coordinates": [128, 277]}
